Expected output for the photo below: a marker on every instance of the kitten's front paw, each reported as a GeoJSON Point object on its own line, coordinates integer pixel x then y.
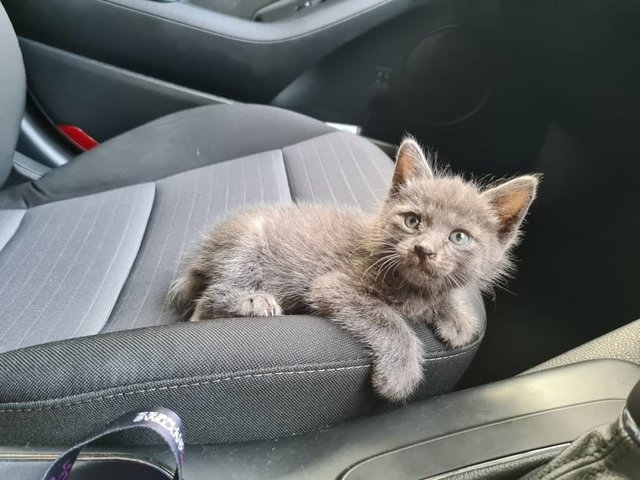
{"type": "Point", "coordinates": [396, 379]}
{"type": "Point", "coordinates": [258, 305]}
{"type": "Point", "coordinates": [457, 332]}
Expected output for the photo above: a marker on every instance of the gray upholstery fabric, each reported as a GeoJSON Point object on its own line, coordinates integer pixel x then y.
{"type": "Point", "coordinates": [9, 223]}
{"type": "Point", "coordinates": [620, 344]}
{"type": "Point", "coordinates": [186, 204]}
{"type": "Point", "coordinates": [12, 94]}
{"type": "Point", "coordinates": [334, 168]}
{"type": "Point", "coordinates": [63, 270]}
{"type": "Point", "coordinates": [231, 380]}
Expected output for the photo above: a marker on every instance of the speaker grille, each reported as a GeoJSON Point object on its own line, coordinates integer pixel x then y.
{"type": "Point", "coordinates": [447, 77]}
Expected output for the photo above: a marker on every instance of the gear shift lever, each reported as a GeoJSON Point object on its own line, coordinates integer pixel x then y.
{"type": "Point", "coordinates": [633, 406]}
{"type": "Point", "coordinates": [608, 452]}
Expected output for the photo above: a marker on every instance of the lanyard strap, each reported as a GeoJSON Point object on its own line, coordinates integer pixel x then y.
{"type": "Point", "coordinates": [163, 421]}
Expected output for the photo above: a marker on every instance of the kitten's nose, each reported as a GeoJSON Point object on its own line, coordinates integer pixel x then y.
{"type": "Point", "coordinates": [424, 252]}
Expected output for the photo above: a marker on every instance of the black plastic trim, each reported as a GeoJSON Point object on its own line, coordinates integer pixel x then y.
{"type": "Point", "coordinates": [525, 461]}
{"type": "Point", "coordinates": [35, 461]}
{"type": "Point", "coordinates": [475, 445]}
{"type": "Point", "coordinates": [39, 141]}
{"type": "Point", "coordinates": [633, 403]}
{"type": "Point", "coordinates": [103, 100]}
{"type": "Point", "coordinates": [193, 46]}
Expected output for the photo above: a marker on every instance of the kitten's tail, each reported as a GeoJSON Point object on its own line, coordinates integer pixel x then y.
{"type": "Point", "coordinates": [186, 288]}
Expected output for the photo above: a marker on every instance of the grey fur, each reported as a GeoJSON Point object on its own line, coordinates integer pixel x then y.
{"type": "Point", "coordinates": [371, 274]}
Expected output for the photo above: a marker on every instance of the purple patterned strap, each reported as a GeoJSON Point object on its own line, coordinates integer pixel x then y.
{"type": "Point", "coordinates": [163, 421]}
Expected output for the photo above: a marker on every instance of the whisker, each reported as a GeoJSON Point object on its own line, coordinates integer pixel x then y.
{"type": "Point", "coordinates": [393, 272]}
{"type": "Point", "coordinates": [390, 266]}
{"type": "Point", "coordinates": [390, 260]}
{"type": "Point", "coordinates": [385, 256]}
{"type": "Point", "coordinates": [373, 265]}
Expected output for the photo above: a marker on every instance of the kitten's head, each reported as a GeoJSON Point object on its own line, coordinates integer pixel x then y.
{"type": "Point", "coordinates": [438, 231]}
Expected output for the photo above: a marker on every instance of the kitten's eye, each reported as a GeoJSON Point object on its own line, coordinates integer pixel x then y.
{"type": "Point", "coordinates": [411, 220]}
{"type": "Point", "coordinates": [458, 237]}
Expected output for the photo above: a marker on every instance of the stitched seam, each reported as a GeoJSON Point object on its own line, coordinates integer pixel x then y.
{"type": "Point", "coordinates": [610, 460]}
{"type": "Point", "coordinates": [467, 349]}
{"type": "Point", "coordinates": [186, 385]}
{"type": "Point", "coordinates": [114, 314]}
{"type": "Point", "coordinates": [203, 383]}
{"type": "Point", "coordinates": [578, 463]}
{"type": "Point", "coordinates": [287, 174]}
{"type": "Point", "coordinates": [445, 357]}
{"type": "Point", "coordinates": [276, 149]}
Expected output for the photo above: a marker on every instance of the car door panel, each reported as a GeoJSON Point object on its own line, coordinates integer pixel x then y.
{"type": "Point", "coordinates": [197, 47]}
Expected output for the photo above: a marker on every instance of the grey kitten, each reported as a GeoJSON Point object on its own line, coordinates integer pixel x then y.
{"type": "Point", "coordinates": [372, 274]}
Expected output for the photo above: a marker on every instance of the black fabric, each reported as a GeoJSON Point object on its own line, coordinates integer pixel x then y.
{"type": "Point", "coordinates": [181, 350]}
{"type": "Point", "coordinates": [230, 380]}
{"type": "Point", "coordinates": [12, 94]}
{"type": "Point", "coordinates": [182, 141]}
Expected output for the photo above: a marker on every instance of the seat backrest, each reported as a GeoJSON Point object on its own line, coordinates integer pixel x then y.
{"type": "Point", "coordinates": [12, 93]}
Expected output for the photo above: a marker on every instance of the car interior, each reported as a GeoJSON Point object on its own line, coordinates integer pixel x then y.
{"type": "Point", "coordinates": [128, 126]}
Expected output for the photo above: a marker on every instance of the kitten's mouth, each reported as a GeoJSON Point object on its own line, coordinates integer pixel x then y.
{"type": "Point", "coordinates": [421, 276]}
{"type": "Point", "coordinates": [426, 266]}
{"type": "Point", "coordinates": [422, 269]}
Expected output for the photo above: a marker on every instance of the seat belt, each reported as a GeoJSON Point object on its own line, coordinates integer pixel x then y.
{"type": "Point", "coordinates": [162, 421]}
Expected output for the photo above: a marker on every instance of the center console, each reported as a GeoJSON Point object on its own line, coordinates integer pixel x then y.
{"type": "Point", "coordinates": [500, 430]}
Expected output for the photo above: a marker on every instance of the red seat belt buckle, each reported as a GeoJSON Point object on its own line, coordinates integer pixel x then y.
{"type": "Point", "coordinates": [78, 137]}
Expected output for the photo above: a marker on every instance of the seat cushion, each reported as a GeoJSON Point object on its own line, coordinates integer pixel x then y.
{"type": "Point", "coordinates": [12, 93]}
{"type": "Point", "coordinates": [64, 267]}
{"type": "Point", "coordinates": [87, 256]}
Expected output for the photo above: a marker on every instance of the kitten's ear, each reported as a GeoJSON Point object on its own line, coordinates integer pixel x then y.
{"type": "Point", "coordinates": [510, 201]}
{"type": "Point", "coordinates": [411, 162]}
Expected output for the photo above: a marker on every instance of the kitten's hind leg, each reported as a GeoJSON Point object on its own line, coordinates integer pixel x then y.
{"type": "Point", "coordinates": [396, 350]}
{"type": "Point", "coordinates": [217, 302]}
{"type": "Point", "coordinates": [186, 288]}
